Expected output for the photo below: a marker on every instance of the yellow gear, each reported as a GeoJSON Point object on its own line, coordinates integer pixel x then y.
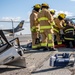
{"type": "Point", "coordinates": [62, 15]}
{"type": "Point", "coordinates": [45, 5]}
{"type": "Point", "coordinates": [64, 24]}
{"type": "Point", "coordinates": [52, 11]}
{"type": "Point", "coordinates": [37, 6]}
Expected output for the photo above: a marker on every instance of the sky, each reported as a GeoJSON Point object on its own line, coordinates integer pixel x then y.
{"type": "Point", "coordinates": [20, 10]}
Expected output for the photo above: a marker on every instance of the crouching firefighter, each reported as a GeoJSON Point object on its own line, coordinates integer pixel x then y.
{"type": "Point", "coordinates": [58, 27]}
{"type": "Point", "coordinates": [69, 34]}
{"type": "Point", "coordinates": [34, 26]}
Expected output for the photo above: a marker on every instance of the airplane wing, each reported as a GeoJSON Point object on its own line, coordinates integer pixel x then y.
{"type": "Point", "coordinates": [17, 29]}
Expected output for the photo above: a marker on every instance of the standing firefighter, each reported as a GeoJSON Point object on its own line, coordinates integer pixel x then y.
{"type": "Point", "coordinates": [53, 13]}
{"type": "Point", "coordinates": [45, 19]}
{"type": "Point", "coordinates": [34, 26]}
{"type": "Point", "coordinates": [58, 27]}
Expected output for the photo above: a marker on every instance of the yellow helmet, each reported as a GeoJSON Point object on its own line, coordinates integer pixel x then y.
{"type": "Point", "coordinates": [37, 6]}
{"type": "Point", "coordinates": [62, 15]}
{"type": "Point", "coordinates": [52, 11]}
{"type": "Point", "coordinates": [45, 5]}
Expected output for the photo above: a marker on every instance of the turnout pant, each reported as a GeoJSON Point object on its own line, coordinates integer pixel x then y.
{"type": "Point", "coordinates": [58, 40]}
{"type": "Point", "coordinates": [35, 36]}
{"type": "Point", "coordinates": [47, 39]}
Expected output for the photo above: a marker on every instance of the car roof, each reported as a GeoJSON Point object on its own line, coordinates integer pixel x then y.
{"type": "Point", "coordinates": [70, 19]}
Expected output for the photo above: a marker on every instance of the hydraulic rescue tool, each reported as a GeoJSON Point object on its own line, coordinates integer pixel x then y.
{"type": "Point", "coordinates": [62, 60]}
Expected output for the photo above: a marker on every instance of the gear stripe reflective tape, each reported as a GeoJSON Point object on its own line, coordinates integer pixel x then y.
{"type": "Point", "coordinates": [69, 29]}
{"type": "Point", "coordinates": [43, 44]}
{"type": "Point", "coordinates": [45, 27]}
{"type": "Point", "coordinates": [32, 28]}
{"type": "Point", "coordinates": [64, 24]}
{"type": "Point", "coordinates": [59, 43]}
{"type": "Point", "coordinates": [50, 44]}
{"type": "Point", "coordinates": [38, 45]}
{"type": "Point", "coordinates": [68, 38]}
{"type": "Point", "coordinates": [50, 36]}
{"type": "Point", "coordinates": [53, 23]}
{"type": "Point", "coordinates": [41, 31]}
{"type": "Point", "coordinates": [37, 29]}
{"type": "Point", "coordinates": [35, 46]}
{"type": "Point", "coordinates": [42, 18]}
{"type": "Point", "coordinates": [56, 30]}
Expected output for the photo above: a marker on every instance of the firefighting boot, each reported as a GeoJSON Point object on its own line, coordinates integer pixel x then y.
{"type": "Point", "coordinates": [44, 48]}
{"type": "Point", "coordinates": [52, 49]}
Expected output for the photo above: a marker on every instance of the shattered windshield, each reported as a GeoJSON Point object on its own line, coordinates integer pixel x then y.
{"type": "Point", "coordinates": [1, 41]}
{"type": "Point", "coordinates": [73, 20]}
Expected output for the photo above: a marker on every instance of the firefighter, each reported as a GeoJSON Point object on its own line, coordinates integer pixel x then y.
{"type": "Point", "coordinates": [69, 34]}
{"type": "Point", "coordinates": [34, 26]}
{"type": "Point", "coordinates": [4, 38]}
{"type": "Point", "coordinates": [58, 28]}
{"type": "Point", "coordinates": [53, 13]}
{"type": "Point", "coordinates": [45, 21]}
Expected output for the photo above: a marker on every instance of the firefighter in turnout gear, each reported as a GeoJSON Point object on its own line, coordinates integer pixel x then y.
{"type": "Point", "coordinates": [53, 13]}
{"type": "Point", "coordinates": [34, 26]}
{"type": "Point", "coordinates": [58, 28]}
{"type": "Point", "coordinates": [45, 21]}
{"type": "Point", "coordinates": [69, 34]}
